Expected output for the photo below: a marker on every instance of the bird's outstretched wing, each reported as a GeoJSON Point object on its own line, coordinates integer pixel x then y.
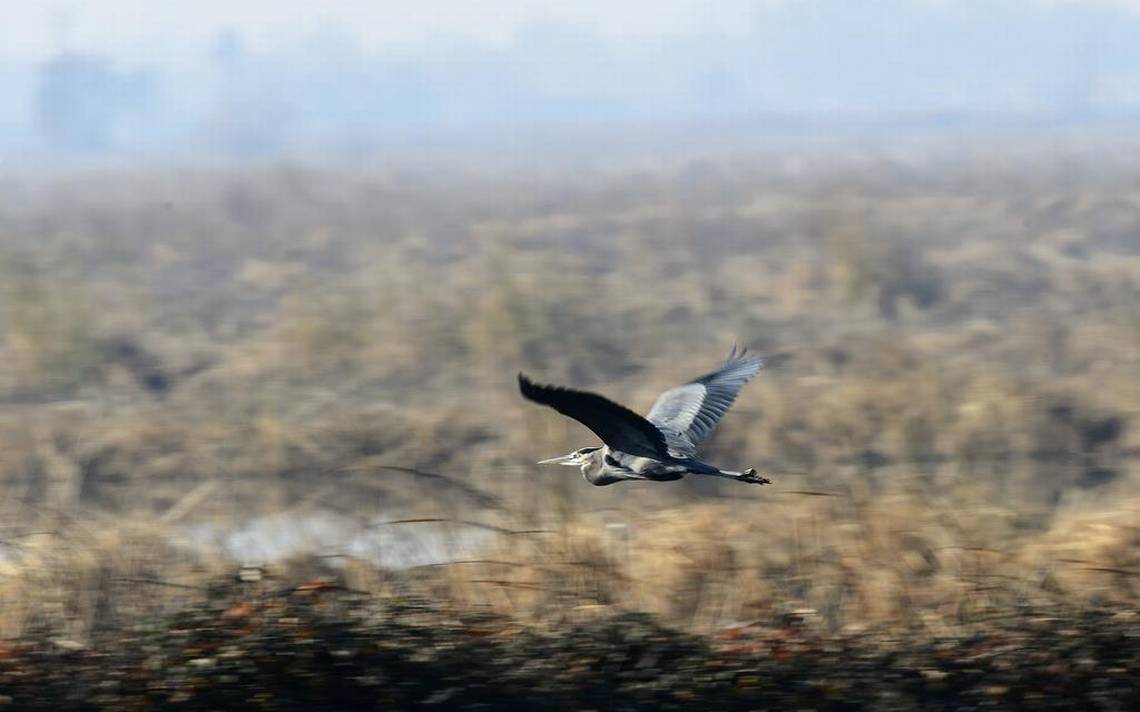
{"type": "Point", "coordinates": [616, 425]}
{"type": "Point", "coordinates": [688, 413]}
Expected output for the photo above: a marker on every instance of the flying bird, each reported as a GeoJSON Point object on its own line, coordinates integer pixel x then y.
{"type": "Point", "coordinates": [661, 446]}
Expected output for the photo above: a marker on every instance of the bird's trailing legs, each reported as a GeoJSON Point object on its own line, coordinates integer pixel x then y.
{"type": "Point", "coordinates": [748, 476]}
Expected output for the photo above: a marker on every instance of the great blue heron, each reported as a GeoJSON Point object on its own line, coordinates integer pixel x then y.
{"type": "Point", "coordinates": [662, 446]}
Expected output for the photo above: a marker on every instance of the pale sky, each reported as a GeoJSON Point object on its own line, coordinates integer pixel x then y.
{"type": "Point", "coordinates": [33, 29]}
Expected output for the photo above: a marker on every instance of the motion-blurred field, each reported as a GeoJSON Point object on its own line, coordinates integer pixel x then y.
{"type": "Point", "coordinates": [951, 420]}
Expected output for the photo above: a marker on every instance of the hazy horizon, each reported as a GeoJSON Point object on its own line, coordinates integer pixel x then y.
{"type": "Point", "coordinates": [254, 80]}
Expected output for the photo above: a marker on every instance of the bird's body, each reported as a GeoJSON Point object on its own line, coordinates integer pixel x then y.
{"type": "Point", "coordinates": [661, 446]}
{"type": "Point", "coordinates": [604, 466]}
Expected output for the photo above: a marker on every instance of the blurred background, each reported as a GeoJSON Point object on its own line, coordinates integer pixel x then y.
{"type": "Point", "coordinates": [268, 271]}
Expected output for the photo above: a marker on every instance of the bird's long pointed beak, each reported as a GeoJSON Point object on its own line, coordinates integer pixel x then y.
{"type": "Point", "coordinates": [560, 460]}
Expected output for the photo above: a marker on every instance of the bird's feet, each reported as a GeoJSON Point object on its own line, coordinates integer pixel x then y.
{"type": "Point", "coordinates": [751, 477]}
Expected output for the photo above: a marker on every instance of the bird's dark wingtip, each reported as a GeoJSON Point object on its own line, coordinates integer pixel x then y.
{"type": "Point", "coordinates": [739, 353]}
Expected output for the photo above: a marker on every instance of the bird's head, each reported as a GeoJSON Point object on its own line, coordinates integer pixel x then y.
{"type": "Point", "coordinates": [575, 459]}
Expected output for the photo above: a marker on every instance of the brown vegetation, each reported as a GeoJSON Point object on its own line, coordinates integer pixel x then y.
{"type": "Point", "coordinates": [951, 421]}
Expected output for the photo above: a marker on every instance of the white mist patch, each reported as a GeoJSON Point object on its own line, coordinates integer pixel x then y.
{"type": "Point", "coordinates": [392, 545]}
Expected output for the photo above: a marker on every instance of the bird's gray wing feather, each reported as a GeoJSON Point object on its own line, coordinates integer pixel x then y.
{"type": "Point", "coordinates": [689, 412]}
{"type": "Point", "coordinates": [616, 425]}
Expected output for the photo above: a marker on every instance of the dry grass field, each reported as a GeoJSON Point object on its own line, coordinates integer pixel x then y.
{"type": "Point", "coordinates": [216, 385]}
